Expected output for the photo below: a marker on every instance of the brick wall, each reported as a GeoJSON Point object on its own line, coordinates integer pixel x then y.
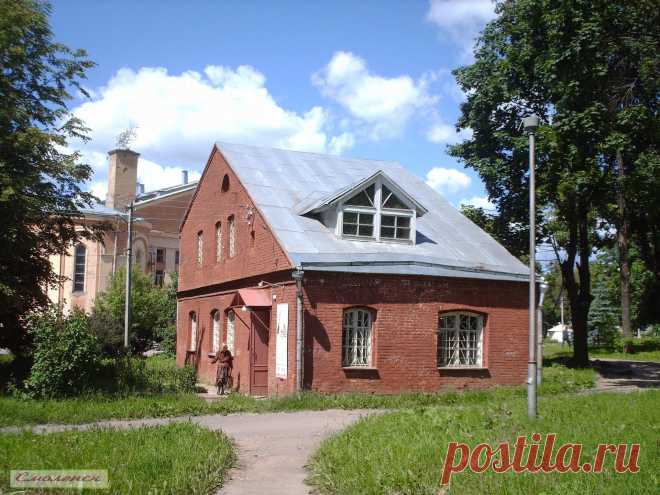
{"type": "Point", "coordinates": [405, 331]}
{"type": "Point", "coordinates": [257, 250]}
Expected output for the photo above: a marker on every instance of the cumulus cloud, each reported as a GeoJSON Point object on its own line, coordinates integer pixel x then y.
{"type": "Point", "coordinates": [384, 104]}
{"type": "Point", "coordinates": [461, 20]}
{"type": "Point", "coordinates": [179, 117]}
{"type": "Point", "coordinates": [447, 179]}
{"type": "Point", "coordinates": [479, 202]}
{"type": "Point", "coordinates": [445, 133]}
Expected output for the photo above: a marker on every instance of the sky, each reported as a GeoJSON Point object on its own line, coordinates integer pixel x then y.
{"type": "Point", "coordinates": [368, 79]}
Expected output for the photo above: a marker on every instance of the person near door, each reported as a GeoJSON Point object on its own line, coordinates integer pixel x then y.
{"type": "Point", "coordinates": [225, 364]}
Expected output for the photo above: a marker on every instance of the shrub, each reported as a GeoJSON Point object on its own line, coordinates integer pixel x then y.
{"type": "Point", "coordinates": [66, 355]}
{"type": "Point", "coordinates": [130, 375]}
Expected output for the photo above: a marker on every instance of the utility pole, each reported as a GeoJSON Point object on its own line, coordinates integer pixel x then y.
{"type": "Point", "coordinates": [530, 124]}
{"type": "Point", "coordinates": [128, 310]}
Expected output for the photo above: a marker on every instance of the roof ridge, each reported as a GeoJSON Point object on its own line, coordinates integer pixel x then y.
{"type": "Point", "coordinates": [341, 157]}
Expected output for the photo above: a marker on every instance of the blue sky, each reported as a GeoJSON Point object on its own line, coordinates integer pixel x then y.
{"type": "Point", "coordinates": [369, 79]}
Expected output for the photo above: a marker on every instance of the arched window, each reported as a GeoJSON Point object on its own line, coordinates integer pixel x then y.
{"type": "Point", "coordinates": [80, 258]}
{"type": "Point", "coordinates": [460, 340]}
{"type": "Point", "coordinates": [232, 236]}
{"type": "Point", "coordinates": [193, 331]}
{"type": "Point", "coordinates": [224, 187]}
{"type": "Point", "coordinates": [231, 317]}
{"type": "Point", "coordinates": [200, 247]}
{"type": "Point", "coordinates": [218, 242]}
{"type": "Point", "coordinates": [356, 338]}
{"type": "Point", "coordinates": [215, 344]}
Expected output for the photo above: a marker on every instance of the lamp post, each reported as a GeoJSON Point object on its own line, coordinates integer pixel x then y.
{"type": "Point", "coordinates": [530, 124]}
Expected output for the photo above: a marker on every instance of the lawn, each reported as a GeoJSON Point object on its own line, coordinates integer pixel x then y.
{"type": "Point", "coordinates": [15, 411]}
{"type": "Point", "coordinates": [180, 458]}
{"type": "Point", "coordinates": [403, 452]}
{"type": "Point", "coordinates": [554, 350]}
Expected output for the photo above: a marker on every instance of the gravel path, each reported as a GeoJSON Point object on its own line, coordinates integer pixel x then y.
{"type": "Point", "coordinates": [273, 448]}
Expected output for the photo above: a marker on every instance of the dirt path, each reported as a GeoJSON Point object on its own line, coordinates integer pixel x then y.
{"type": "Point", "coordinates": [626, 376]}
{"type": "Point", "coordinates": [273, 448]}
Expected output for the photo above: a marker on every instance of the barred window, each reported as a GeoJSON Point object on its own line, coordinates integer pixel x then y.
{"type": "Point", "coordinates": [218, 242]}
{"type": "Point", "coordinates": [460, 340]}
{"type": "Point", "coordinates": [215, 344]}
{"type": "Point", "coordinates": [357, 334]}
{"type": "Point", "coordinates": [193, 331]}
{"type": "Point", "coordinates": [80, 256]}
{"type": "Point", "coordinates": [232, 237]}
{"type": "Point", "coordinates": [231, 317]}
{"type": "Point", "coordinates": [200, 247]}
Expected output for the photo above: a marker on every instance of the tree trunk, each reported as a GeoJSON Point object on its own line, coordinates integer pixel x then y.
{"type": "Point", "coordinates": [579, 293]}
{"type": "Point", "coordinates": [623, 239]}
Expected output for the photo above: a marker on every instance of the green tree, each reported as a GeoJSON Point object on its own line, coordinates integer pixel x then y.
{"type": "Point", "coordinates": [154, 314]}
{"type": "Point", "coordinates": [559, 60]}
{"type": "Point", "coordinates": [40, 184]}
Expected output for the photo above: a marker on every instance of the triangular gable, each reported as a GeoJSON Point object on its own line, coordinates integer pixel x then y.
{"type": "Point", "coordinates": [352, 190]}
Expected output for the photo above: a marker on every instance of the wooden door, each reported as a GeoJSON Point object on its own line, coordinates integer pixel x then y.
{"type": "Point", "coordinates": [260, 323]}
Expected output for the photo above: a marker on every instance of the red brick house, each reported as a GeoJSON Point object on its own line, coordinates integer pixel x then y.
{"type": "Point", "coordinates": [337, 274]}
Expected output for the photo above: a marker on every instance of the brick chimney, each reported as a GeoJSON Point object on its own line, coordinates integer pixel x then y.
{"type": "Point", "coordinates": [122, 178]}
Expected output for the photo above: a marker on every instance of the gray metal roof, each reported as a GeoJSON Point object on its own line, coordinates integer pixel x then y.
{"type": "Point", "coordinates": [282, 182]}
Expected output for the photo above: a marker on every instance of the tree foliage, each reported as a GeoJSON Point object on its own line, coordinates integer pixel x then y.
{"type": "Point", "coordinates": [566, 62]}
{"type": "Point", "coordinates": [154, 314]}
{"type": "Point", "coordinates": [40, 191]}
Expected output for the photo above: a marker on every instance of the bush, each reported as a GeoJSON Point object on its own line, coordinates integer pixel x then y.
{"type": "Point", "coordinates": [135, 375]}
{"type": "Point", "coordinates": [66, 355]}
{"type": "Point", "coordinates": [637, 345]}
{"type": "Point", "coordinates": [154, 314]}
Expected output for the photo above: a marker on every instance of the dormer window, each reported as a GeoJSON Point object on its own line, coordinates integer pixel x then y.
{"type": "Point", "coordinates": [374, 209]}
{"type": "Point", "coordinates": [378, 213]}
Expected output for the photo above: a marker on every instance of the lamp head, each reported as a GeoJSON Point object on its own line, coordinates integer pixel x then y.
{"type": "Point", "coordinates": [530, 123]}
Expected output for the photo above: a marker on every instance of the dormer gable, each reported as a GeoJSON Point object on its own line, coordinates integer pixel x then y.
{"type": "Point", "coordinates": [375, 208]}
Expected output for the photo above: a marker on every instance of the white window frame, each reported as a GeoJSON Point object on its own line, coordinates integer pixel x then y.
{"type": "Point", "coordinates": [460, 344]}
{"type": "Point", "coordinates": [377, 211]}
{"type": "Point", "coordinates": [231, 319]}
{"type": "Point", "coordinates": [357, 338]}
{"type": "Point", "coordinates": [193, 331]}
{"type": "Point", "coordinates": [217, 329]}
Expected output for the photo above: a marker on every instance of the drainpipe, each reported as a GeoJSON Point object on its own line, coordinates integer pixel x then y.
{"type": "Point", "coordinates": [539, 334]}
{"type": "Point", "coordinates": [297, 275]}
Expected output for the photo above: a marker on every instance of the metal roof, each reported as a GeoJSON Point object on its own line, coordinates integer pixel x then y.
{"type": "Point", "coordinates": [163, 193]}
{"type": "Point", "coordinates": [280, 182]}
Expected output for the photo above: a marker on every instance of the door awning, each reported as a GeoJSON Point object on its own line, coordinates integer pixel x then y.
{"type": "Point", "coordinates": [255, 298]}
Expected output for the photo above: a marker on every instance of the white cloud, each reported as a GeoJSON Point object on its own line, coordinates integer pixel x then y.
{"type": "Point", "coordinates": [479, 202]}
{"type": "Point", "coordinates": [447, 179]}
{"type": "Point", "coordinates": [180, 116]}
{"type": "Point", "coordinates": [445, 133]}
{"type": "Point", "coordinates": [461, 20]}
{"type": "Point", "coordinates": [384, 104]}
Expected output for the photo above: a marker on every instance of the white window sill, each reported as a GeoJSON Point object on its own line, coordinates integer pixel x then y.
{"type": "Point", "coordinates": [359, 368]}
{"type": "Point", "coordinates": [462, 368]}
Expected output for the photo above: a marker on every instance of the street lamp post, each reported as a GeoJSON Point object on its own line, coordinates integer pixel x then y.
{"type": "Point", "coordinates": [530, 124]}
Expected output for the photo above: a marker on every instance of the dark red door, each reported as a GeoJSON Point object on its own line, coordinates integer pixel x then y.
{"type": "Point", "coordinates": [260, 322]}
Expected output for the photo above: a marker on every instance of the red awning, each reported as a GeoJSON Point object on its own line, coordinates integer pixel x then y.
{"type": "Point", "coordinates": [255, 298]}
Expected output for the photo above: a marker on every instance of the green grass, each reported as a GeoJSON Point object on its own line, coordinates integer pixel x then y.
{"type": "Point", "coordinates": [14, 411]}
{"type": "Point", "coordinates": [178, 458]}
{"type": "Point", "coordinates": [554, 350]}
{"type": "Point", "coordinates": [403, 452]}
